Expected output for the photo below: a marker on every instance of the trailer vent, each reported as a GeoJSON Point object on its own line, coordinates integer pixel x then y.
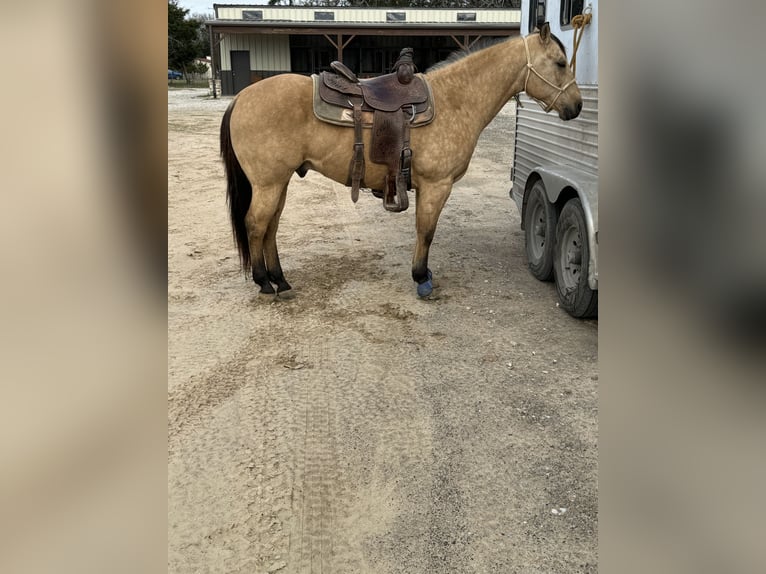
{"type": "Point", "coordinates": [324, 16]}
{"type": "Point", "coordinates": [396, 17]}
{"type": "Point", "coordinates": [466, 16]}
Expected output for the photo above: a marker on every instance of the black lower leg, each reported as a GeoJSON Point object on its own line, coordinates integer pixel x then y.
{"type": "Point", "coordinates": [260, 277]}
{"type": "Point", "coordinates": [276, 275]}
{"type": "Point", "coordinates": [278, 278]}
{"type": "Point", "coordinates": [420, 271]}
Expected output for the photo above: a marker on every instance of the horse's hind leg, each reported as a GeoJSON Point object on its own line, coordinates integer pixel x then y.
{"type": "Point", "coordinates": [264, 206]}
{"type": "Point", "coordinates": [270, 252]}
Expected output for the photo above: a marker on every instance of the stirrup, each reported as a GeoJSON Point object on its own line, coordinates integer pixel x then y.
{"type": "Point", "coordinates": [400, 201]}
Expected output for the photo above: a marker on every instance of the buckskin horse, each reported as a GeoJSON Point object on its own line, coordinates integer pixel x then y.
{"type": "Point", "coordinates": [270, 131]}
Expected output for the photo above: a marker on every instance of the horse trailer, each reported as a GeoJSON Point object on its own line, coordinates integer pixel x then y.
{"type": "Point", "coordinates": [555, 164]}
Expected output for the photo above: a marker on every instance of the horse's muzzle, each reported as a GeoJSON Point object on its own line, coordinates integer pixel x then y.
{"type": "Point", "coordinates": [570, 112]}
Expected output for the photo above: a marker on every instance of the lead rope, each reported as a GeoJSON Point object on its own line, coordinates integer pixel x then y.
{"type": "Point", "coordinates": [578, 23]}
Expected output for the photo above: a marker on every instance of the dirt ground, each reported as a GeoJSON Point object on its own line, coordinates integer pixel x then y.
{"type": "Point", "coordinates": [355, 428]}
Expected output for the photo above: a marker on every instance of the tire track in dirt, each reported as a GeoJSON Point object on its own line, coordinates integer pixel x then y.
{"type": "Point", "coordinates": [383, 427]}
{"type": "Point", "coordinates": [355, 406]}
{"type": "Point", "coordinates": [270, 421]}
{"type": "Point", "coordinates": [318, 486]}
{"type": "Point", "coordinates": [318, 543]}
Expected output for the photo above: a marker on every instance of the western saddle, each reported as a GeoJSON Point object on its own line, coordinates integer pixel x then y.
{"type": "Point", "coordinates": [389, 105]}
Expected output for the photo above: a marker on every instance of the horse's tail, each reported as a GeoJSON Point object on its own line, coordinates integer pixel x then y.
{"type": "Point", "coordinates": [239, 192]}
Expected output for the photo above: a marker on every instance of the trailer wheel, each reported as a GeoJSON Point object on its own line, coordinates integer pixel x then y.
{"type": "Point", "coordinates": [570, 265]}
{"type": "Point", "coordinates": [539, 232]}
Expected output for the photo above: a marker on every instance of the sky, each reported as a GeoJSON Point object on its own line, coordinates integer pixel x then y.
{"type": "Point", "coordinates": [206, 6]}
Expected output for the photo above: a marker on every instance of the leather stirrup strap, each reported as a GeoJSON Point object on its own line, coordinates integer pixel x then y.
{"type": "Point", "coordinates": [406, 162]}
{"type": "Point", "coordinates": [396, 198]}
{"type": "Point", "coordinates": [404, 173]}
{"type": "Point", "coordinates": [356, 170]}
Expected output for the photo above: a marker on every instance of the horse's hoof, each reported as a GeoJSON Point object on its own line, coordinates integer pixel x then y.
{"type": "Point", "coordinates": [263, 296]}
{"type": "Point", "coordinates": [286, 295]}
{"type": "Point", "coordinates": [425, 289]}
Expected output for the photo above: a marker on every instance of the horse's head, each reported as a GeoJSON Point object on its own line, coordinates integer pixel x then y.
{"type": "Point", "coordinates": [549, 79]}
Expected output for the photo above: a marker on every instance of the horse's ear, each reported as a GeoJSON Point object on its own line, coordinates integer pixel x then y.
{"type": "Point", "coordinates": [545, 32]}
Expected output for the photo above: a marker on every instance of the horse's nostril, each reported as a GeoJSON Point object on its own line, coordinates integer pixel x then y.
{"type": "Point", "coordinates": [579, 107]}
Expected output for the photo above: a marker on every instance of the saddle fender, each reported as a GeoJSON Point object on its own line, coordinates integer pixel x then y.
{"type": "Point", "coordinates": [558, 178]}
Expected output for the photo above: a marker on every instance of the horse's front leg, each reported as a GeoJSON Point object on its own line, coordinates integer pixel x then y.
{"type": "Point", "coordinates": [430, 200]}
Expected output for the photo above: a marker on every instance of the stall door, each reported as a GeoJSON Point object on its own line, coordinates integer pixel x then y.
{"type": "Point", "coordinates": [240, 69]}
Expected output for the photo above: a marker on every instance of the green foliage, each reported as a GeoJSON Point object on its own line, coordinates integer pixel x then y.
{"type": "Point", "coordinates": [187, 39]}
{"type": "Point", "coordinates": [198, 68]}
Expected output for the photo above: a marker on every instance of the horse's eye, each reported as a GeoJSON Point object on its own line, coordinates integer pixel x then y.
{"type": "Point", "coordinates": [561, 64]}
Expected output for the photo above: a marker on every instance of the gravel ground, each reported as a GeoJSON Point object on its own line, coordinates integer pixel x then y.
{"type": "Point", "coordinates": [355, 428]}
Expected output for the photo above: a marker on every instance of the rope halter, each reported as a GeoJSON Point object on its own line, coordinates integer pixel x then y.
{"type": "Point", "coordinates": [531, 69]}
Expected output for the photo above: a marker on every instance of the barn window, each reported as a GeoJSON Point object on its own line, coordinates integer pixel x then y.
{"type": "Point", "coordinates": [325, 16]}
{"type": "Point", "coordinates": [536, 14]}
{"type": "Point", "coordinates": [570, 9]}
{"type": "Point", "coordinates": [396, 17]}
{"type": "Point", "coordinates": [252, 14]}
{"type": "Point", "coordinates": [466, 16]}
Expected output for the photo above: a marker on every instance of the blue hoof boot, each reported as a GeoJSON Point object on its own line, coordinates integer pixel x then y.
{"type": "Point", "coordinates": [426, 287]}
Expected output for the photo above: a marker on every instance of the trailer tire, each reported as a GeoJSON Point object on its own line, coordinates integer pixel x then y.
{"type": "Point", "coordinates": [570, 264]}
{"type": "Point", "coordinates": [539, 232]}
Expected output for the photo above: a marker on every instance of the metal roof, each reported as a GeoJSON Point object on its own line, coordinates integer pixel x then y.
{"type": "Point", "coordinates": [373, 21]}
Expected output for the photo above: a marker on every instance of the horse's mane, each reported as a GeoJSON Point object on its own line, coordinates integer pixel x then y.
{"type": "Point", "coordinates": [482, 44]}
{"type": "Point", "coordinates": [563, 49]}
{"type": "Point", "coordinates": [458, 55]}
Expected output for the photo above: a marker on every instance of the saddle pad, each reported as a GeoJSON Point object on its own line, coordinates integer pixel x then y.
{"type": "Point", "coordinates": [340, 113]}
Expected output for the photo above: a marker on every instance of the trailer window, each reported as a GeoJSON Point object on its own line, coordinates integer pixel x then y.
{"type": "Point", "coordinates": [536, 14]}
{"type": "Point", "coordinates": [570, 9]}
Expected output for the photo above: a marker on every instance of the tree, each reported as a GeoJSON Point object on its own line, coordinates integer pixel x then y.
{"type": "Point", "coordinates": [186, 38]}
{"type": "Point", "coordinates": [198, 68]}
{"type": "Point", "coordinates": [202, 32]}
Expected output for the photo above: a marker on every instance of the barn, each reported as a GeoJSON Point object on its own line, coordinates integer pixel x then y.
{"type": "Point", "coordinates": [252, 42]}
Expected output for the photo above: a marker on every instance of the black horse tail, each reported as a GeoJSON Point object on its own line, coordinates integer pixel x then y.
{"type": "Point", "coordinates": [239, 192]}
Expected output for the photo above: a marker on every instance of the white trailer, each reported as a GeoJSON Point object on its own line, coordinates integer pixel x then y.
{"type": "Point", "coordinates": [555, 165]}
